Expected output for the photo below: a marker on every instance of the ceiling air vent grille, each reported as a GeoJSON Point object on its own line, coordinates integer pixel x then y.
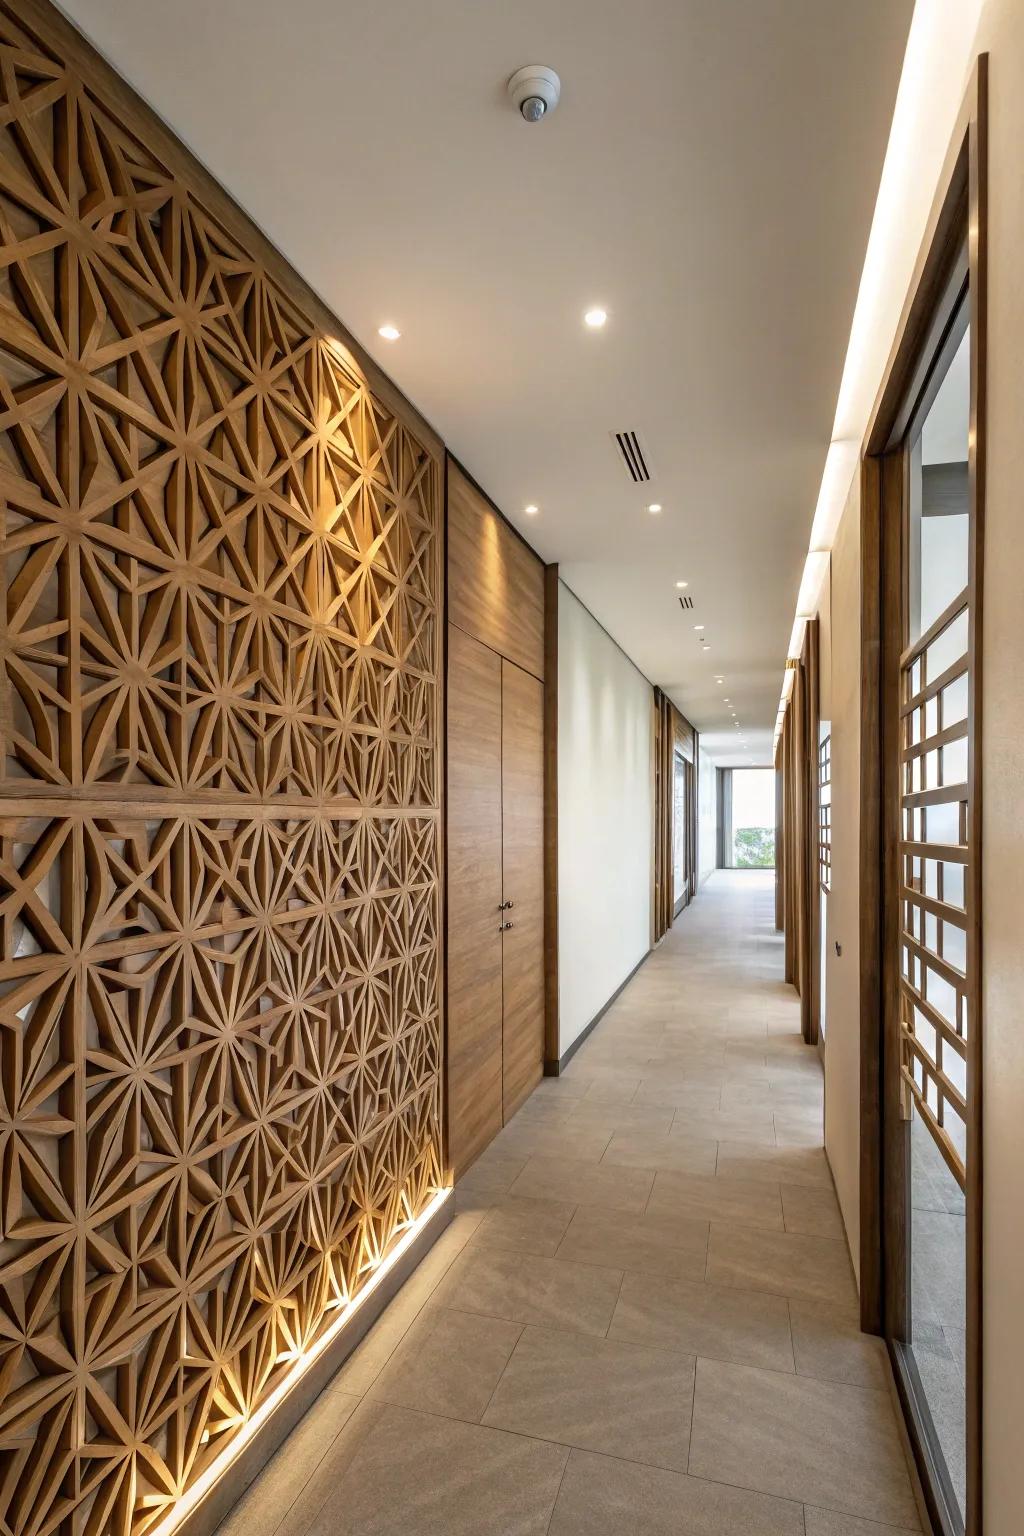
{"type": "Point", "coordinates": [632, 453]}
{"type": "Point", "coordinates": [686, 602]}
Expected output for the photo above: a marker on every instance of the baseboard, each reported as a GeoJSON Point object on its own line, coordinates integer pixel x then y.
{"type": "Point", "coordinates": [216, 1503]}
{"type": "Point", "coordinates": [556, 1068]}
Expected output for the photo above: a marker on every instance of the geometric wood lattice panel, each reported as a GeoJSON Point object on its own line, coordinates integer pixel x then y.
{"type": "Point", "coordinates": [220, 1031]}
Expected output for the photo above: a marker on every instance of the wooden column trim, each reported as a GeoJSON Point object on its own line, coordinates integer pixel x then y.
{"type": "Point", "coordinates": [551, 990]}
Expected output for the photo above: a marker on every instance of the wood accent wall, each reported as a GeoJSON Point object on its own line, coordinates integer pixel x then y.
{"type": "Point", "coordinates": [496, 831]}
{"type": "Point", "coordinates": [495, 581]}
{"type": "Point", "coordinates": [797, 835]}
{"type": "Point", "coordinates": [672, 732]}
{"type": "Point", "coordinates": [474, 881]}
{"type": "Point", "coordinates": [220, 775]}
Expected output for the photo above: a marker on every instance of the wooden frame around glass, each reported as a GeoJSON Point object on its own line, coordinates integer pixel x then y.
{"type": "Point", "coordinates": [951, 272]}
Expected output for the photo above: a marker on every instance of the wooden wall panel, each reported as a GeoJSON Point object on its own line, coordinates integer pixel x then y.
{"type": "Point", "coordinates": [474, 897]}
{"type": "Point", "coordinates": [522, 834]}
{"type": "Point", "coordinates": [672, 733]}
{"type": "Point", "coordinates": [220, 1030]}
{"type": "Point", "coordinates": [495, 582]}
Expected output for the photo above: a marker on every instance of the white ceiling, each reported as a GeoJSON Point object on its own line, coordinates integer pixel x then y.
{"type": "Point", "coordinates": [708, 178]}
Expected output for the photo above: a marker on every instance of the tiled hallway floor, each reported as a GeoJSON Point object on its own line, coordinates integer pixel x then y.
{"type": "Point", "coordinates": [642, 1320]}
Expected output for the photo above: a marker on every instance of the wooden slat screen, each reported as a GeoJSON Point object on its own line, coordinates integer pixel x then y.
{"type": "Point", "coordinates": [825, 813]}
{"type": "Point", "coordinates": [937, 997]}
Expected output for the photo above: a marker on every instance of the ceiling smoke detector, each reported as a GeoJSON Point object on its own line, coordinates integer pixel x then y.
{"type": "Point", "coordinates": [535, 90]}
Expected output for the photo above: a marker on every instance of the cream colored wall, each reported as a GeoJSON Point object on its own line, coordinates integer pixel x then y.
{"type": "Point", "coordinates": [842, 972]}
{"type": "Point", "coordinates": [605, 817]}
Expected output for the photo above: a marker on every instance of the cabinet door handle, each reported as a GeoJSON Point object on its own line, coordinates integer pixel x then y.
{"type": "Point", "coordinates": [504, 926]}
{"type": "Point", "coordinates": [506, 906]}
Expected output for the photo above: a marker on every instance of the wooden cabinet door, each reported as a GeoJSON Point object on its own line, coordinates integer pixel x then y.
{"type": "Point", "coordinates": [522, 832]}
{"type": "Point", "coordinates": [474, 894]}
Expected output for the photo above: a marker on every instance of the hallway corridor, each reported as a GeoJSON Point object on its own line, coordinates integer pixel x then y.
{"type": "Point", "coordinates": [642, 1320]}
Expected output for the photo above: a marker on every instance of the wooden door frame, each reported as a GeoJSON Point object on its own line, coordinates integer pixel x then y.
{"type": "Point", "coordinates": [953, 255]}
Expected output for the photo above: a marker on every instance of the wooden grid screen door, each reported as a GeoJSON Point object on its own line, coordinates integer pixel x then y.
{"type": "Point", "coordinates": [825, 813]}
{"type": "Point", "coordinates": [220, 1030]}
{"type": "Point", "coordinates": [937, 987]}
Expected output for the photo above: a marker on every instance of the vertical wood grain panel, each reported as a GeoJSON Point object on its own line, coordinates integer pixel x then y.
{"type": "Point", "coordinates": [495, 581]}
{"type": "Point", "coordinates": [551, 979]}
{"type": "Point", "coordinates": [474, 896]}
{"type": "Point", "coordinates": [522, 758]}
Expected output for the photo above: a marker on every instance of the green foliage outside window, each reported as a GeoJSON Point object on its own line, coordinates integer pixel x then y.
{"type": "Point", "coordinates": [754, 848]}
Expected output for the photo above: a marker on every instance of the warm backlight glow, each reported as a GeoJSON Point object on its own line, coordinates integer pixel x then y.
{"type": "Point", "coordinates": [302, 1362]}
{"type": "Point", "coordinates": [389, 332]}
{"type": "Point", "coordinates": [595, 318]}
{"type": "Point", "coordinates": [655, 506]}
{"type": "Point", "coordinates": [682, 583]}
{"type": "Point", "coordinates": [531, 510]}
{"type": "Point", "coordinates": [698, 626]}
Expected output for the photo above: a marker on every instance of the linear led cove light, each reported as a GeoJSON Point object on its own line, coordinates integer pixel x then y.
{"type": "Point", "coordinates": [302, 1362]}
{"type": "Point", "coordinates": [940, 47]}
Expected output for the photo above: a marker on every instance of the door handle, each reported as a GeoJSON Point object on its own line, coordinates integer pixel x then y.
{"type": "Point", "coordinates": [502, 927]}
{"type": "Point", "coordinates": [506, 906]}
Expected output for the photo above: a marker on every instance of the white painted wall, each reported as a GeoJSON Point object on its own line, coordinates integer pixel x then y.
{"type": "Point", "coordinates": [707, 815]}
{"type": "Point", "coordinates": [605, 817]}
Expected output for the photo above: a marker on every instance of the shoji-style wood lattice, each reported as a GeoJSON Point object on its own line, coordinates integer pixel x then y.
{"type": "Point", "coordinates": [937, 991]}
{"type": "Point", "coordinates": [219, 814]}
{"type": "Point", "coordinates": [825, 813]}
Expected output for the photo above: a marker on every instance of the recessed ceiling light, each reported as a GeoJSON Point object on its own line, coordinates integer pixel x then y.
{"type": "Point", "coordinates": [389, 332]}
{"type": "Point", "coordinates": [531, 510]}
{"type": "Point", "coordinates": [698, 626]}
{"type": "Point", "coordinates": [655, 506]}
{"type": "Point", "coordinates": [682, 584]}
{"type": "Point", "coordinates": [595, 318]}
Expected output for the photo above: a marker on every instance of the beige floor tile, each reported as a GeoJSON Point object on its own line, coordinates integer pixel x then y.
{"type": "Point", "coordinates": [581, 1183]}
{"type": "Point", "coordinates": [448, 1363]}
{"type": "Point", "coordinates": [599, 1395]}
{"type": "Point", "coordinates": [641, 1149]}
{"type": "Point", "coordinates": [624, 1117]}
{"type": "Point", "coordinates": [584, 1142]}
{"type": "Point", "coordinates": [662, 1092]}
{"type": "Point", "coordinates": [751, 1203]}
{"type": "Point", "coordinates": [525, 1289]}
{"type": "Point", "coordinates": [798, 1131]}
{"type": "Point", "coordinates": [561, 1087]}
{"type": "Point", "coordinates": [426, 1476]}
{"type": "Point", "coordinates": [269, 1498]}
{"type": "Point", "coordinates": [603, 1496]}
{"type": "Point", "coordinates": [779, 1165]}
{"type": "Point", "coordinates": [795, 1437]}
{"type": "Point", "coordinates": [323, 1481]}
{"type": "Point", "coordinates": [751, 1128]}
{"type": "Point", "coordinates": [811, 1211]}
{"type": "Point", "coordinates": [644, 1243]}
{"type": "Point", "coordinates": [802, 1268]}
{"type": "Point", "coordinates": [524, 1226]}
{"type": "Point", "coordinates": [370, 1356]}
{"type": "Point", "coordinates": [825, 1522]}
{"type": "Point", "coordinates": [828, 1343]}
{"type": "Point", "coordinates": [492, 1175]}
{"type": "Point", "coordinates": [717, 1321]}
